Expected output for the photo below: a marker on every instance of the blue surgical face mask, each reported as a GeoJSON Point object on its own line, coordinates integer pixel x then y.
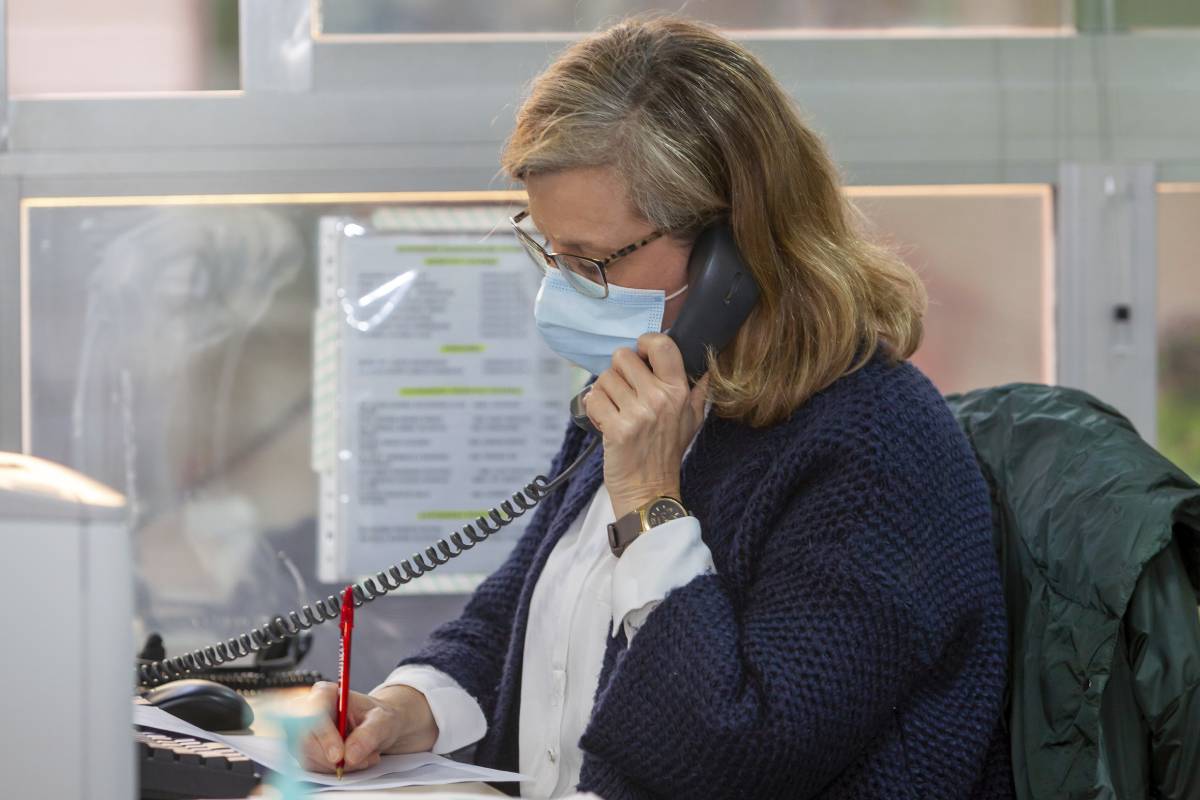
{"type": "Point", "coordinates": [587, 330]}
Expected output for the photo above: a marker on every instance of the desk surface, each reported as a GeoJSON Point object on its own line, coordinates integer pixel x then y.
{"type": "Point", "coordinates": [261, 703]}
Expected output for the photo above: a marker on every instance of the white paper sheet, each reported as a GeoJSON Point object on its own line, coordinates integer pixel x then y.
{"type": "Point", "coordinates": [410, 769]}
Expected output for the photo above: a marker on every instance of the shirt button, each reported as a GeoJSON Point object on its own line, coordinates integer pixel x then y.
{"type": "Point", "coordinates": [552, 755]}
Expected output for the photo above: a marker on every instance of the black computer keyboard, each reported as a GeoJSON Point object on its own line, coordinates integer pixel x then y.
{"type": "Point", "coordinates": [178, 768]}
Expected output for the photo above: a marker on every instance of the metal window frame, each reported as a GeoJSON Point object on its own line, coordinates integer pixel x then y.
{"type": "Point", "coordinates": [1107, 329]}
{"type": "Point", "coordinates": [329, 116]}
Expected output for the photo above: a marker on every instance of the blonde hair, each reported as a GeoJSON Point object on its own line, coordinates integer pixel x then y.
{"type": "Point", "coordinates": [699, 130]}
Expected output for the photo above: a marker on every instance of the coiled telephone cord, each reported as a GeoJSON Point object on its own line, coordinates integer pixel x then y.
{"type": "Point", "coordinates": [329, 608]}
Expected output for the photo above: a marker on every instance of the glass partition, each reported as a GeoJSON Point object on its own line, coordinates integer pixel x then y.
{"type": "Point", "coordinates": [986, 255]}
{"type": "Point", "coordinates": [169, 354]}
{"type": "Point", "coordinates": [1179, 324]}
{"type": "Point", "coordinates": [374, 17]}
{"type": "Point", "coordinates": [127, 46]}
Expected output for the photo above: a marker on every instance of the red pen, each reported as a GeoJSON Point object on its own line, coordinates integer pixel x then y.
{"type": "Point", "coordinates": [347, 626]}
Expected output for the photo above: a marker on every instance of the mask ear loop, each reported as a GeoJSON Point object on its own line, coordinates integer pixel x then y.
{"type": "Point", "coordinates": [673, 295]}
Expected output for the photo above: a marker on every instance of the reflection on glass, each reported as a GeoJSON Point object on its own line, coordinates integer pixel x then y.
{"type": "Point", "coordinates": [985, 254]}
{"type": "Point", "coordinates": [543, 16]}
{"type": "Point", "coordinates": [172, 340]}
{"type": "Point", "coordinates": [1179, 325]}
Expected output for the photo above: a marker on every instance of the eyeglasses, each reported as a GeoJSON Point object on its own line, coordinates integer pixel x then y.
{"type": "Point", "coordinates": [588, 276]}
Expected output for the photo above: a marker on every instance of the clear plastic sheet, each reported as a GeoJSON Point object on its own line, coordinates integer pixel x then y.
{"type": "Point", "coordinates": [448, 400]}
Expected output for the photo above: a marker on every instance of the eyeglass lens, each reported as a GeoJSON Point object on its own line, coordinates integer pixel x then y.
{"type": "Point", "coordinates": [583, 275]}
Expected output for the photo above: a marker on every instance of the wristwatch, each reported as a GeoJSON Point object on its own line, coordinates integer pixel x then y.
{"type": "Point", "coordinates": [659, 510]}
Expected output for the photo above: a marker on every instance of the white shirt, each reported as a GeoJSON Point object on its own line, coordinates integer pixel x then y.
{"type": "Point", "coordinates": [582, 594]}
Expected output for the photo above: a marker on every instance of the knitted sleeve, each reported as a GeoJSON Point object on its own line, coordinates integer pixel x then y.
{"type": "Point", "coordinates": [767, 689]}
{"type": "Point", "coordinates": [471, 649]}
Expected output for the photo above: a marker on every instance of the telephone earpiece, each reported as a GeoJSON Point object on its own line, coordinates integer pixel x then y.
{"type": "Point", "coordinates": [721, 294]}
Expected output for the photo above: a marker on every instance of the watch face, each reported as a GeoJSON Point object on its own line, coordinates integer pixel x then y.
{"type": "Point", "coordinates": [664, 509]}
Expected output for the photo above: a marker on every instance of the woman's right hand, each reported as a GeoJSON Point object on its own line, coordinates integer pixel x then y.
{"type": "Point", "coordinates": [393, 719]}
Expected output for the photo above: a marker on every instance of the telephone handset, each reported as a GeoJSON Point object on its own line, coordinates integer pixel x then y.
{"type": "Point", "coordinates": [721, 294]}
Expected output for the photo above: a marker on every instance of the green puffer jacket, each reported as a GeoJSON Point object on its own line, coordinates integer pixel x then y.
{"type": "Point", "coordinates": [1099, 543]}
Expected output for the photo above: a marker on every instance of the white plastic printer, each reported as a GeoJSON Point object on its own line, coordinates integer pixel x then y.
{"type": "Point", "coordinates": [67, 666]}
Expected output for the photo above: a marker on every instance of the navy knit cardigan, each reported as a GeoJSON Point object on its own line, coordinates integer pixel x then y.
{"type": "Point", "coordinates": [852, 642]}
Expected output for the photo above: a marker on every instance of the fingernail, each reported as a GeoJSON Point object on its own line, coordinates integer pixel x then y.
{"type": "Point", "coordinates": [332, 754]}
{"type": "Point", "coordinates": [353, 754]}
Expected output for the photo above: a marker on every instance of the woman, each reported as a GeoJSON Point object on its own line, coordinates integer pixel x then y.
{"type": "Point", "coordinates": [823, 615]}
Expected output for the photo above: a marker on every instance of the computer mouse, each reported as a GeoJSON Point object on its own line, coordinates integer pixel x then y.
{"type": "Point", "coordinates": [205, 704]}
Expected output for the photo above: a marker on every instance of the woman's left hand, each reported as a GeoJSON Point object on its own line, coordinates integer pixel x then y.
{"type": "Point", "coordinates": [647, 415]}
